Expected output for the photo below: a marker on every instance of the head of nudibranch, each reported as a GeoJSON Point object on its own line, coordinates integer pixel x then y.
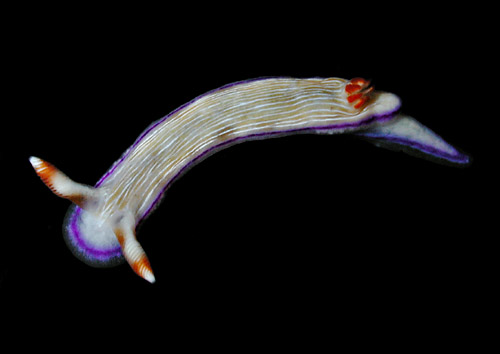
{"type": "Point", "coordinates": [95, 238]}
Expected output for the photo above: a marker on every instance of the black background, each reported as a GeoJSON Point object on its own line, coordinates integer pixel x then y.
{"type": "Point", "coordinates": [296, 239]}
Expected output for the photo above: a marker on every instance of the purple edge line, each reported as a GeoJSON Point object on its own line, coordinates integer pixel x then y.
{"type": "Point", "coordinates": [369, 120]}
{"type": "Point", "coordinates": [116, 252]}
{"type": "Point", "coordinates": [457, 157]}
{"type": "Point", "coordinates": [113, 252]}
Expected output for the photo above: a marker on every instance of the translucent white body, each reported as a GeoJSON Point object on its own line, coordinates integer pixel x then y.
{"type": "Point", "coordinates": [100, 229]}
{"type": "Point", "coordinates": [254, 109]}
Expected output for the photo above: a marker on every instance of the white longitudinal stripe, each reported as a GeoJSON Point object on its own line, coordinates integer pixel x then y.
{"type": "Point", "coordinates": [266, 111]}
{"type": "Point", "coordinates": [245, 129]}
{"type": "Point", "coordinates": [235, 112]}
{"type": "Point", "coordinates": [253, 106]}
{"type": "Point", "coordinates": [250, 102]}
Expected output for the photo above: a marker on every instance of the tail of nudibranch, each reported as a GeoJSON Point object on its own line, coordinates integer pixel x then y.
{"type": "Point", "coordinates": [91, 238]}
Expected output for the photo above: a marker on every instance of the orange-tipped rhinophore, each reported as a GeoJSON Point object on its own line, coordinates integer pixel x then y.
{"type": "Point", "coordinates": [134, 254]}
{"type": "Point", "coordinates": [60, 184]}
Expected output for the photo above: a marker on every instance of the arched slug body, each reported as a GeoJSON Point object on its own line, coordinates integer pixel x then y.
{"type": "Point", "coordinates": [100, 227]}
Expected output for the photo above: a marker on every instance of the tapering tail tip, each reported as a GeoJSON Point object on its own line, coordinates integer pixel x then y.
{"type": "Point", "coordinates": [407, 134]}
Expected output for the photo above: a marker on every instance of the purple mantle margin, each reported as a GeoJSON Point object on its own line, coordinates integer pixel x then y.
{"type": "Point", "coordinates": [367, 121]}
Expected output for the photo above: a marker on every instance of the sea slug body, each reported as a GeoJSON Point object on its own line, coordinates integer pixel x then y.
{"type": "Point", "coordinates": [100, 226]}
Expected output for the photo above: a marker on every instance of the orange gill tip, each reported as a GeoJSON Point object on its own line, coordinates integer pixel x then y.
{"type": "Point", "coordinates": [358, 91]}
{"type": "Point", "coordinates": [352, 98]}
{"type": "Point", "coordinates": [361, 102]}
{"type": "Point", "coordinates": [360, 81]}
{"type": "Point", "coordinates": [352, 88]}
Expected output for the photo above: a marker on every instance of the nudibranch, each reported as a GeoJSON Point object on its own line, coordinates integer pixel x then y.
{"type": "Point", "coordinates": [100, 226]}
